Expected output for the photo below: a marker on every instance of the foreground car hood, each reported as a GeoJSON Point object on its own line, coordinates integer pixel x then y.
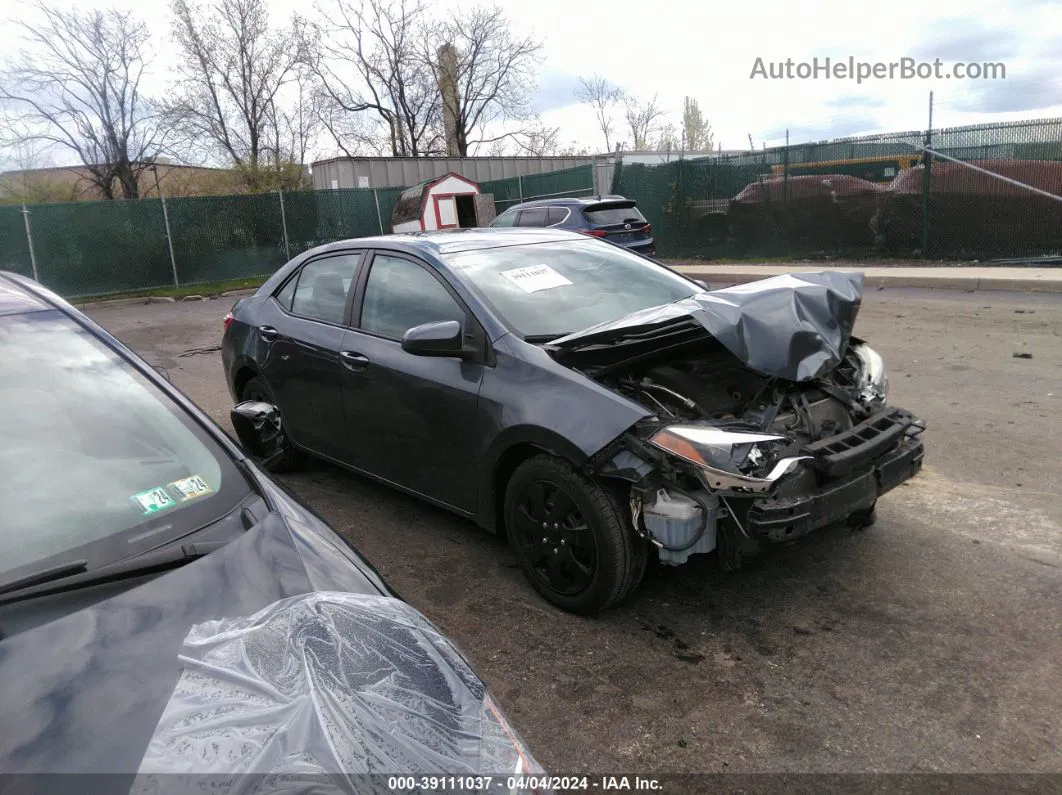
{"type": "Point", "coordinates": [795, 326]}
{"type": "Point", "coordinates": [267, 656]}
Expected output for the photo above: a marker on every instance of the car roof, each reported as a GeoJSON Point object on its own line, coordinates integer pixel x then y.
{"type": "Point", "coordinates": [572, 201]}
{"type": "Point", "coordinates": [18, 297]}
{"type": "Point", "coordinates": [455, 240]}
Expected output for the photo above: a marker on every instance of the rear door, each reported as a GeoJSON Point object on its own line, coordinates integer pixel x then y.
{"type": "Point", "coordinates": [411, 420]}
{"type": "Point", "coordinates": [620, 221]}
{"type": "Point", "coordinates": [301, 328]}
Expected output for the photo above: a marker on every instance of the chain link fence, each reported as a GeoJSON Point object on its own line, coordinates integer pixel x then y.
{"type": "Point", "coordinates": [84, 249]}
{"type": "Point", "coordinates": [983, 192]}
{"type": "Point", "coordinates": [577, 181]}
{"type": "Point", "coordinates": [993, 191]}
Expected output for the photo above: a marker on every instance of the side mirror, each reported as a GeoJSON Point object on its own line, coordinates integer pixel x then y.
{"type": "Point", "coordinates": [441, 338]}
{"type": "Point", "coordinates": [699, 283]}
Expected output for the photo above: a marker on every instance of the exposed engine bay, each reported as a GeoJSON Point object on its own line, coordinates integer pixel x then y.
{"type": "Point", "coordinates": [735, 460]}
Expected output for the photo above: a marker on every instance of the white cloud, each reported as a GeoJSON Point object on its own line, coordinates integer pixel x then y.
{"type": "Point", "coordinates": [707, 51]}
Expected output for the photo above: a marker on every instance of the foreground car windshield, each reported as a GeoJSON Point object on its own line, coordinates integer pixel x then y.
{"type": "Point", "coordinates": [548, 290]}
{"type": "Point", "coordinates": [96, 463]}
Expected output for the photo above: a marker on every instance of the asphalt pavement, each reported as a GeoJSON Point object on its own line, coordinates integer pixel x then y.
{"type": "Point", "coordinates": [930, 642]}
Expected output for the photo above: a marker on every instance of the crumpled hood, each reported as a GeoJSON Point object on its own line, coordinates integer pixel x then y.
{"type": "Point", "coordinates": [795, 326]}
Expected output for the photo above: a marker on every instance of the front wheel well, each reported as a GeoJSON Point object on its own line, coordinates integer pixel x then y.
{"type": "Point", "coordinates": [503, 471]}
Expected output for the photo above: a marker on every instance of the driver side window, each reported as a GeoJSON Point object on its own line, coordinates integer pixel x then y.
{"type": "Point", "coordinates": [400, 294]}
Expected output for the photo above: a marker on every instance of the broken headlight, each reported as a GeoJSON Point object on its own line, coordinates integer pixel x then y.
{"type": "Point", "coordinates": [872, 383]}
{"type": "Point", "coordinates": [728, 460]}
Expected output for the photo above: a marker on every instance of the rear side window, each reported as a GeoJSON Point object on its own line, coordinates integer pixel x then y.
{"type": "Point", "coordinates": [606, 215]}
{"type": "Point", "coordinates": [536, 216]}
{"type": "Point", "coordinates": [557, 215]}
{"type": "Point", "coordinates": [323, 287]}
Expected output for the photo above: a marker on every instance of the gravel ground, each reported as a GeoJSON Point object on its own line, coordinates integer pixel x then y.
{"type": "Point", "coordinates": [928, 643]}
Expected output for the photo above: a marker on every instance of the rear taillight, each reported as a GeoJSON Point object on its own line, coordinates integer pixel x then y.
{"type": "Point", "coordinates": [595, 232]}
{"type": "Point", "coordinates": [648, 229]}
{"type": "Point", "coordinates": [228, 320]}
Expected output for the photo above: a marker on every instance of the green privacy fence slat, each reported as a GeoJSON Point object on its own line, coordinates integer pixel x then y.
{"type": "Point", "coordinates": [226, 237]}
{"type": "Point", "coordinates": [95, 248]}
{"type": "Point", "coordinates": [831, 198]}
{"type": "Point", "coordinates": [577, 181]}
{"type": "Point", "coordinates": [862, 196]}
{"type": "Point", "coordinates": [100, 247]}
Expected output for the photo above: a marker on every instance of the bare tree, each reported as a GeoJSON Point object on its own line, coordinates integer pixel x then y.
{"type": "Point", "coordinates": [231, 81]}
{"type": "Point", "coordinates": [538, 141]}
{"type": "Point", "coordinates": [294, 126]}
{"type": "Point", "coordinates": [696, 131]}
{"type": "Point", "coordinates": [603, 98]}
{"type": "Point", "coordinates": [76, 86]}
{"type": "Point", "coordinates": [493, 75]}
{"type": "Point", "coordinates": [641, 118]}
{"type": "Point", "coordinates": [369, 59]}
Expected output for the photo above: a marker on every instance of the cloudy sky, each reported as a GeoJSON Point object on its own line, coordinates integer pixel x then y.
{"type": "Point", "coordinates": [708, 51]}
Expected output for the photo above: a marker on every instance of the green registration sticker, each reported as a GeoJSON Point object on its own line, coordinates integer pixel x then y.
{"type": "Point", "coordinates": [154, 500]}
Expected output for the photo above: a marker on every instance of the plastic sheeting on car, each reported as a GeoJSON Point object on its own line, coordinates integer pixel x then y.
{"type": "Point", "coordinates": [795, 326]}
{"type": "Point", "coordinates": [315, 692]}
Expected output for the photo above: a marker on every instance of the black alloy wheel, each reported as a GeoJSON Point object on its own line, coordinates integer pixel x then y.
{"type": "Point", "coordinates": [554, 538]}
{"type": "Point", "coordinates": [572, 535]}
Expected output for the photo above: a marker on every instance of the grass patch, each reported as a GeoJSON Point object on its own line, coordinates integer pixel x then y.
{"type": "Point", "coordinates": [203, 288]}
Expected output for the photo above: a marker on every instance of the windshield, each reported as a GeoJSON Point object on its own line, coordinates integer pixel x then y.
{"type": "Point", "coordinates": [547, 290]}
{"type": "Point", "coordinates": [96, 463]}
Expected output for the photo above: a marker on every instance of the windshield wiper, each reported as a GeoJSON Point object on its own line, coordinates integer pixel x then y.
{"type": "Point", "coordinates": [535, 339]}
{"type": "Point", "coordinates": [156, 560]}
{"type": "Point", "coordinates": [45, 575]}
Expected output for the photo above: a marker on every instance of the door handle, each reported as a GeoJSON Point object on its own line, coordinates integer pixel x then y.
{"type": "Point", "coordinates": [354, 360]}
{"type": "Point", "coordinates": [268, 332]}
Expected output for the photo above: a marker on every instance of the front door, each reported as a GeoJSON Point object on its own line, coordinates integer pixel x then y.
{"type": "Point", "coordinates": [303, 327]}
{"type": "Point", "coordinates": [412, 420]}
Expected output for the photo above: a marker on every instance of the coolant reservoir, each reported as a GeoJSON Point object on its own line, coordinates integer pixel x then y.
{"type": "Point", "coordinates": [674, 520]}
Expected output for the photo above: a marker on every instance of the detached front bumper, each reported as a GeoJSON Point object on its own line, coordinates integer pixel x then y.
{"type": "Point", "coordinates": [783, 518]}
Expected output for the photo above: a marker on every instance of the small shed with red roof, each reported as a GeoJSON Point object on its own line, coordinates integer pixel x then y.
{"type": "Point", "coordinates": [446, 202]}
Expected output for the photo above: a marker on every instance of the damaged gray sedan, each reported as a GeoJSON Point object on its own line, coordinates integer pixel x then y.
{"type": "Point", "coordinates": [594, 405]}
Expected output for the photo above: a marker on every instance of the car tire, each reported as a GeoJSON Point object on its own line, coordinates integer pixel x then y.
{"type": "Point", "coordinates": [587, 560]}
{"type": "Point", "coordinates": [290, 457]}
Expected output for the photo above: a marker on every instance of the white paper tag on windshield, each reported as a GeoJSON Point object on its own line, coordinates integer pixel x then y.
{"type": "Point", "coordinates": [535, 277]}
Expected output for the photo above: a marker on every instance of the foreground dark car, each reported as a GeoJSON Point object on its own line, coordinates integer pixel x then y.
{"type": "Point", "coordinates": [613, 218]}
{"type": "Point", "coordinates": [165, 608]}
{"type": "Point", "coordinates": [592, 404]}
